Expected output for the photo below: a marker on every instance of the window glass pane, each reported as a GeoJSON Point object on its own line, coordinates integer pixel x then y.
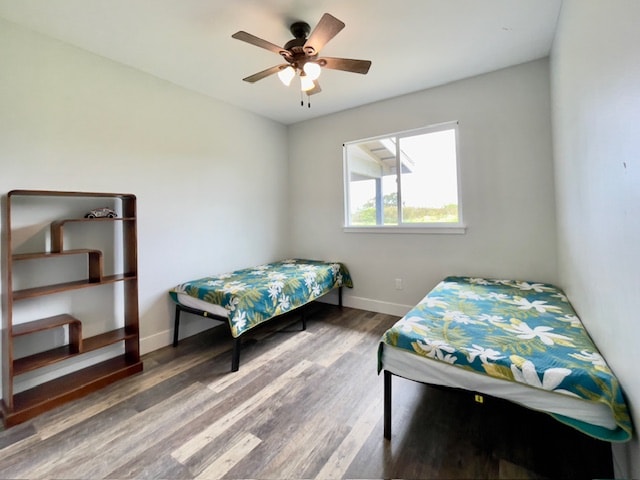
{"type": "Point", "coordinates": [429, 178]}
{"type": "Point", "coordinates": [417, 168]}
{"type": "Point", "coordinates": [362, 191]}
{"type": "Point", "coordinates": [372, 183]}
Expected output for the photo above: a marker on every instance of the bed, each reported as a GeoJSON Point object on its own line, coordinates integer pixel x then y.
{"type": "Point", "coordinates": [517, 340]}
{"type": "Point", "coordinates": [245, 298]}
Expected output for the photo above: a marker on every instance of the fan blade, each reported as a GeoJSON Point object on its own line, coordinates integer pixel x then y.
{"type": "Point", "coordinates": [264, 73]}
{"type": "Point", "coordinates": [327, 28]}
{"type": "Point", "coordinates": [258, 42]}
{"type": "Point", "coordinates": [346, 64]}
{"type": "Point", "coordinates": [316, 88]}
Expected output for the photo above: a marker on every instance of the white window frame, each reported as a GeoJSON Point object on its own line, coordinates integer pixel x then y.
{"type": "Point", "coordinates": [429, 228]}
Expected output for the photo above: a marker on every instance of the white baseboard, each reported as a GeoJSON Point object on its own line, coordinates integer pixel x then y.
{"type": "Point", "coordinates": [156, 341]}
{"type": "Point", "coordinates": [370, 305]}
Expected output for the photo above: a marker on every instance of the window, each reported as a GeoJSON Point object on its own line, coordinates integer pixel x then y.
{"type": "Point", "coordinates": [404, 181]}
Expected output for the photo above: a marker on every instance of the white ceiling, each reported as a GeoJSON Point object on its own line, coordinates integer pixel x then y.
{"type": "Point", "coordinates": [413, 44]}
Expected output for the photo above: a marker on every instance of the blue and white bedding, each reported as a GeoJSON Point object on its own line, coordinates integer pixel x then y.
{"type": "Point", "coordinates": [511, 339]}
{"type": "Point", "coordinates": [251, 296]}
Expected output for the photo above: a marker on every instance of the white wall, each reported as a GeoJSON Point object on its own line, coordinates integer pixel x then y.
{"type": "Point", "coordinates": [596, 125]}
{"type": "Point", "coordinates": [210, 179]}
{"type": "Point", "coordinates": [507, 188]}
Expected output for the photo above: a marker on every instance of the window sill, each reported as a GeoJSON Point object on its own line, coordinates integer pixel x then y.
{"type": "Point", "coordinates": [442, 229]}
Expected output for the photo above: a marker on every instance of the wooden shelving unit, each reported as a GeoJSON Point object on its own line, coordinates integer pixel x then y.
{"type": "Point", "coordinates": [18, 407]}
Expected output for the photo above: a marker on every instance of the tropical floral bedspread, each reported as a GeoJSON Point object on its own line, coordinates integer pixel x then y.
{"type": "Point", "coordinates": [517, 331]}
{"type": "Point", "coordinates": [254, 295]}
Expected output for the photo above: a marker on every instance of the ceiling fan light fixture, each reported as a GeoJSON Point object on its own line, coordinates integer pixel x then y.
{"type": "Point", "coordinates": [312, 70]}
{"type": "Point", "coordinates": [306, 83]}
{"type": "Point", "coordinates": [301, 55]}
{"type": "Point", "coordinates": [286, 75]}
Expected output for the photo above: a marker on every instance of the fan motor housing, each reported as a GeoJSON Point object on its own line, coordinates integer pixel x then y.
{"type": "Point", "coordinates": [295, 43]}
{"type": "Point", "coordinates": [294, 52]}
{"type": "Point", "coordinates": [300, 29]}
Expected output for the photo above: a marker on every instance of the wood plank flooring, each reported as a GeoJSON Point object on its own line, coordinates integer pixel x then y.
{"type": "Point", "coordinates": [305, 404]}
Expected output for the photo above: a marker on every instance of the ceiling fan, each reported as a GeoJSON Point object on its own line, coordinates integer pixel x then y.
{"type": "Point", "coordinates": [301, 54]}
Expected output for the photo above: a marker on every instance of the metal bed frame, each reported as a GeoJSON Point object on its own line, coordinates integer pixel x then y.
{"type": "Point", "coordinates": [237, 341]}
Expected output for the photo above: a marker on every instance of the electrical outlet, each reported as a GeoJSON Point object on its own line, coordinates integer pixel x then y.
{"type": "Point", "coordinates": [398, 284]}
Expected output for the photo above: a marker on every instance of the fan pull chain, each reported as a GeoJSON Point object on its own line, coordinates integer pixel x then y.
{"type": "Point", "coordinates": [302, 100]}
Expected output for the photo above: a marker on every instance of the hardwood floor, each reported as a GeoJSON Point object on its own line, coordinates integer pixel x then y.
{"type": "Point", "coordinates": [305, 404]}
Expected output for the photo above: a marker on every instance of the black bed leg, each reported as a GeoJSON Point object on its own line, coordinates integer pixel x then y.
{"type": "Point", "coordinates": [340, 297]}
{"type": "Point", "coordinates": [304, 319]}
{"type": "Point", "coordinates": [176, 326]}
{"type": "Point", "coordinates": [387, 405]}
{"type": "Point", "coordinates": [235, 356]}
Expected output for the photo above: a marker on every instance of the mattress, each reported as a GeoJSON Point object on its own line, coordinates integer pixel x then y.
{"type": "Point", "coordinates": [517, 340]}
{"type": "Point", "coordinates": [250, 296]}
{"type": "Point", "coordinates": [192, 302]}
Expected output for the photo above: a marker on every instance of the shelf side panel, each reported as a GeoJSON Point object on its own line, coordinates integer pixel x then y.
{"type": "Point", "coordinates": [7, 304]}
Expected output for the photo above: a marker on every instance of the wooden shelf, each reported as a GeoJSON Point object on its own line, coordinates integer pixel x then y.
{"type": "Point", "coordinates": [69, 387]}
{"type": "Point", "coordinates": [95, 263]}
{"type": "Point", "coordinates": [39, 360]}
{"type": "Point", "coordinates": [106, 339]}
{"type": "Point", "coordinates": [44, 324]}
{"type": "Point", "coordinates": [63, 287]}
{"type": "Point", "coordinates": [36, 255]}
{"type": "Point", "coordinates": [60, 193]}
{"type": "Point", "coordinates": [18, 407]}
{"type": "Point", "coordinates": [57, 228]}
{"type": "Point", "coordinates": [49, 357]}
